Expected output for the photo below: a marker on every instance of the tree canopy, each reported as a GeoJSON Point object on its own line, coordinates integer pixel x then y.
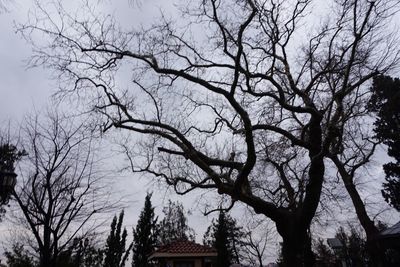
{"type": "Point", "coordinates": [145, 235]}
{"type": "Point", "coordinates": [249, 99]}
{"type": "Point", "coordinates": [174, 225]}
{"type": "Point", "coordinates": [116, 253]}
{"type": "Point", "coordinates": [9, 155]}
{"type": "Point", "coordinates": [226, 237]}
{"type": "Point", "coordinates": [60, 186]}
{"type": "Point", "coordinates": [385, 101]}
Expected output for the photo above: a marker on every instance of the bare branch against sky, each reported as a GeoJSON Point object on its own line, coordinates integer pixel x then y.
{"type": "Point", "coordinates": [62, 190]}
{"type": "Point", "coordinates": [247, 98]}
{"type": "Point", "coordinates": [261, 102]}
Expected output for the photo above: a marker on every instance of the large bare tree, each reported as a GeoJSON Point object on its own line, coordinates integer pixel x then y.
{"type": "Point", "coordinates": [247, 98]}
{"type": "Point", "coordinates": [60, 189]}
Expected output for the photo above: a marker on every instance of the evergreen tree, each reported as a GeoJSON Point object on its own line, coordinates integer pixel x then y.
{"type": "Point", "coordinates": [354, 247]}
{"type": "Point", "coordinates": [9, 154]}
{"type": "Point", "coordinates": [81, 253]}
{"type": "Point", "coordinates": [115, 252]}
{"type": "Point", "coordinates": [145, 235]}
{"type": "Point", "coordinates": [385, 101]}
{"type": "Point", "coordinates": [225, 236]}
{"type": "Point", "coordinates": [174, 226]}
{"type": "Point", "coordinates": [325, 257]}
{"type": "Point", "coordinates": [19, 257]}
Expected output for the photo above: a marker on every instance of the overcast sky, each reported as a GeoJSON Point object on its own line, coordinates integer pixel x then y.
{"type": "Point", "coordinates": [24, 90]}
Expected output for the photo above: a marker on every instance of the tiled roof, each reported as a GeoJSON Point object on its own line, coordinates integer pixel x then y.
{"type": "Point", "coordinates": [184, 247]}
{"type": "Point", "coordinates": [394, 230]}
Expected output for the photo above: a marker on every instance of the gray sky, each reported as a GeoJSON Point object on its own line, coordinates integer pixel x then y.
{"type": "Point", "coordinates": [24, 90]}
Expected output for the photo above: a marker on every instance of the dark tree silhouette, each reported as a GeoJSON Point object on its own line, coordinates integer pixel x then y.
{"type": "Point", "coordinates": [174, 225]}
{"type": "Point", "coordinates": [325, 257]}
{"type": "Point", "coordinates": [226, 237]}
{"type": "Point", "coordinates": [145, 235]}
{"type": "Point", "coordinates": [60, 188]}
{"type": "Point", "coordinates": [116, 253]}
{"type": "Point", "coordinates": [83, 252]}
{"type": "Point", "coordinates": [385, 101]}
{"type": "Point", "coordinates": [19, 257]}
{"type": "Point", "coordinates": [354, 247]}
{"type": "Point", "coordinates": [259, 237]}
{"type": "Point", "coordinates": [9, 155]}
{"type": "Point", "coordinates": [240, 101]}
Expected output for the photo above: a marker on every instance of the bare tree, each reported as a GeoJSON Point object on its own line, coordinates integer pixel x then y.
{"type": "Point", "coordinates": [257, 242]}
{"type": "Point", "coordinates": [247, 98]}
{"type": "Point", "coordinates": [60, 189]}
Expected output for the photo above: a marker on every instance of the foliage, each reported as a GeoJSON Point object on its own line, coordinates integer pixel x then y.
{"type": "Point", "coordinates": [19, 257]}
{"type": "Point", "coordinates": [82, 253]}
{"type": "Point", "coordinates": [354, 251]}
{"type": "Point", "coordinates": [115, 252]}
{"type": "Point", "coordinates": [9, 155]}
{"type": "Point", "coordinates": [174, 225]}
{"type": "Point", "coordinates": [145, 235]}
{"type": "Point", "coordinates": [325, 257]}
{"type": "Point", "coordinates": [385, 101]}
{"type": "Point", "coordinates": [354, 247]}
{"type": "Point", "coordinates": [226, 237]}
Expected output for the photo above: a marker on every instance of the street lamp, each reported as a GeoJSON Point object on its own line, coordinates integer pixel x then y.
{"type": "Point", "coordinates": [8, 179]}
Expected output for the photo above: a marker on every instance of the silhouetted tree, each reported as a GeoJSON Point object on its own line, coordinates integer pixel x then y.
{"type": "Point", "coordinates": [325, 257]}
{"type": "Point", "coordinates": [258, 238]}
{"type": "Point", "coordinates": [354, 247]}
{"type": "Point", "coordinates": [9, 155]}
{"type": "Point", "coordinates": [82, 253]}
{"type": "Point", "coordinates": [116, 252]}
{"type": "Point", "coordinates": [226, 237]}
{"type": "Point", "coordinates": [174, 225]}
{"type": "Point", "coordinates": [19, 257]}
{"type": "Point", "coordinates": [239, 101]}
{"type": "Point", "coordinates": [60, 186]}
{"type": "Point", "coordinates": [145, 235]}
{"type": "Point", "coordinates": [385, 101]}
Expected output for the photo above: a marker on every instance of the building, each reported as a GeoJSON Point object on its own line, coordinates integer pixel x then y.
{"type": "Point", "coordinates": [390, 238]}
{"type": "Point", "coordinates": [183, 253]}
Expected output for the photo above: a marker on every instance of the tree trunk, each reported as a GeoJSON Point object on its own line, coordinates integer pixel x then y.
{"type": "Point", "coordinates": [296, 251]}
{"type": "Point", "coordinates": [294, 227]}
{"type": "Point", "coordinates": [296, 247]}
{"type": "Point", "coordinates": [46, 253]}
{"type": "Point", "coordinates": [374, 250]}
{"type": "Point", "coordinates": [45, 258]}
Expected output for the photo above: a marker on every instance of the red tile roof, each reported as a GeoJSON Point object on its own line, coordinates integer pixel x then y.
{"type": "Point", "coordinates": [184, 247]}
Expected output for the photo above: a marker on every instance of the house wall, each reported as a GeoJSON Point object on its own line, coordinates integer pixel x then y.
{"type": "Point", "coordinates": [197, 262]}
